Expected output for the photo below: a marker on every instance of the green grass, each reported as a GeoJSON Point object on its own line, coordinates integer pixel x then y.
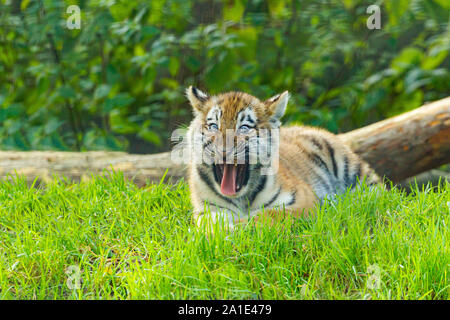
{"type": "Point", "coordinates": [134, 243]}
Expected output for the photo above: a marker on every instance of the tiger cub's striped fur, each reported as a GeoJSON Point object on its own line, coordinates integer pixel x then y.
{"type": "Point", "coordinates": [310, 164]}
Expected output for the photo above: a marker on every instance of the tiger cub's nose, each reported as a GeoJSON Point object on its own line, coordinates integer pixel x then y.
{"type": "Point", "coordinates": [228, 155]}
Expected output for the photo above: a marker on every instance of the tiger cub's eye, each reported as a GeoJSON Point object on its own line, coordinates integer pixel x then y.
{"type": "Point", "coordinates": [244, 129]}
{"type": "Point", "coordinates": [213, 127]}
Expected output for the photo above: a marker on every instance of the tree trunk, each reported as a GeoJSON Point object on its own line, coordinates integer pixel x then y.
{"type": "Point", "coordinates": [408, 144]}
{"type": "Point", "coordinates": [398, 148]}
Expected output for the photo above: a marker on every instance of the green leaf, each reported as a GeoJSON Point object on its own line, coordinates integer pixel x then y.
{"type": "Point", "coordinates": [122, 125]}
{"type": "Point", "coordinates": [102, 91]}
{"type": "Point", "coordinates": [249, 37]}
{"type": "Point", "coordinates": [349, 4]}
{"type": "Point", "coordinates": [11, 111]}
{"type": "Point", "coordinates": [233, 10]}
{"type": "Point", "coordinates": [396, 9]}
{"type": "Point", "coordinates": [112, 75]}
{"type": "Point", "coordinates": [174, 65]}
{"type": "Point", "coordinates": [193, 63]}
{"type": "Point", "coordinates": [443, 3]}
{"type": "Point", "coordinates": [150, 31]}
{"type": "Point", "coordinates": [434, 59]}
{"type": "Point", "coordinates": [24, 5]}
{"type": "Point", "coordinates": [121, 11]}
{"type": "Point", "coordinates": [119, 101]}
{"type": "Point", "coordinates": [150, 136]}
{"type": "Point", "coordinates": [222, 72]}
{"type": "Point", "coordinates": [13, 126]}
{"type": "Point", "coordinates": [66, 92]}
{"type": "Point", "coordinates": [276, 7]}
{"type": "Point", "coordinates": [52, 125]}
{"type": "Point", "coordinates": [408, 56]}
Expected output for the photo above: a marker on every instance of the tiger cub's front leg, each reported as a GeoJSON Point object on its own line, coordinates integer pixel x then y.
{"type": "Point", "coordinates": [279, 213]}
{"type": "Point", "coordinates": [207, 216]}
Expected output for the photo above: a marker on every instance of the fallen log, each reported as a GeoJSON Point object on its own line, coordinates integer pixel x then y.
{"type": "Point", "coordinates": [76, 166]}
{"type": "Point", "coordinates": [398, 148]}
{"type": "Point", "coordinates": [408, 144]}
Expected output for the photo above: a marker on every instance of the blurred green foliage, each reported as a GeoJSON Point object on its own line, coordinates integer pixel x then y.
{"type": "Point", "coordinates": [118, 82]}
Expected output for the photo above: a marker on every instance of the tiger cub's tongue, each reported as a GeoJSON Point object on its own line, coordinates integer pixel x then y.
{"type": "Point", "coordinates": [228, 185]}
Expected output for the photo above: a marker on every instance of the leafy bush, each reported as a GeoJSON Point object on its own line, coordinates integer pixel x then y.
{"type": "Point", "coordinates": [118, 82]}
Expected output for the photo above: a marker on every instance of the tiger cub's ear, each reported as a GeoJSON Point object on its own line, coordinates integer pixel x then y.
{"type": "Point", "coordinates": [197, 98]}
{"type": "Point", "coordinates": [276, 106]}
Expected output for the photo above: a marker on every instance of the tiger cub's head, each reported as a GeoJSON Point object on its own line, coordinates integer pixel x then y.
{"type": "Point", "coordinates": [232, 138]}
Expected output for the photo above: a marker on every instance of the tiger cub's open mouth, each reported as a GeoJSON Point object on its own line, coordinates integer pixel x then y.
{"type": "Point", "coordinates": [231, 177]}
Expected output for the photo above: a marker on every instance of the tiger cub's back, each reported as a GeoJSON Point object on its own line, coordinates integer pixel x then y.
{"type": "Point", "coordinates": [321, 160]}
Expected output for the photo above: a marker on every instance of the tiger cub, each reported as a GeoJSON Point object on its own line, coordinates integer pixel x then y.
{"type": "Point", "coordinates": [242, 161]}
